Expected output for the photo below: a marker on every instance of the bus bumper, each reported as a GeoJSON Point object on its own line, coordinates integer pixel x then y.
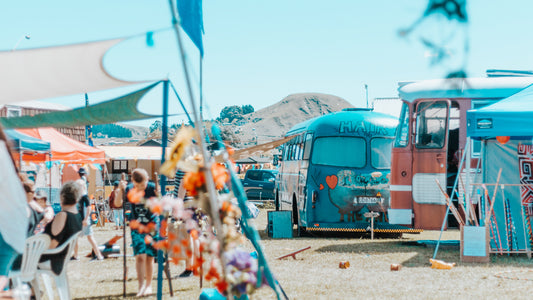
{"type": "Point", "coordinates": [359, 226]}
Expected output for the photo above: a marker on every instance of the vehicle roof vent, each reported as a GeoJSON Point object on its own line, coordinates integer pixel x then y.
{"type": "Point", "coordinates": [357, 109]}
{"type": "Point", "coordinates": [508, 73]}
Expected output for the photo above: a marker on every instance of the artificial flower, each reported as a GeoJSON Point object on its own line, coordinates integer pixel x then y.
{"type": "Point", "coordinates": [220, 175]}
{"type": "Point", "coordinates": [182, 140]}
{"type": "Point", "coordinates": [135, 195]}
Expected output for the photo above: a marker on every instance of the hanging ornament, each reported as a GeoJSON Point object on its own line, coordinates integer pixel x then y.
{"type": "Point", "coordinates": [503, 139]}
{"type": "Point", "coordinates": [443, 30]}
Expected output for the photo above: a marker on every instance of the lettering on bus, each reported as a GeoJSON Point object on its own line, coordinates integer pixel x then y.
{"type": "Point", "coordinates": [361, 128]}
{"type": "Point", "coordinates": [367, 200]}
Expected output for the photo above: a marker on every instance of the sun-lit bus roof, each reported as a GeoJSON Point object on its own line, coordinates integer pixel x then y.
{"type": "Point", "coordinates": [329, 124]}
{"type": "Point", "coordinates": [490, 87]}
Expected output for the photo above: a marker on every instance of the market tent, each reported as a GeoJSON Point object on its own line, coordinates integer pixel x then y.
{"type": "Point", "coordinates": [22, 142]}
{"type": "Point", "coordinates": [133, 152]}
{"type": "Point", "coordinates": [65, 149]}
{"type": "Point", "coordinates": [505, 129]}
{"type": "Point", "coordinates": [512, 116]}
{"type": "Point", "coordinates": [126, 158]}
{"type": "Point", "coordinates": [31, 149]}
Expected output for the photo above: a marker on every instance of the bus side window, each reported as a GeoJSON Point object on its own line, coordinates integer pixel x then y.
{"type": "Point", "coordinates": [307, 146]}
{"type": "Point", "coordinates": [291, 157]}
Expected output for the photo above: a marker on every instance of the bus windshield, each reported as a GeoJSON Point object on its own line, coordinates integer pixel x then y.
{"type": "Point", "coordinates": [347, 152]}
{"type": "Point", "coordinates": [381, 151]}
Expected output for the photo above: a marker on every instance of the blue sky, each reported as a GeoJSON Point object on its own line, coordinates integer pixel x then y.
{"type": "Point", "coordinates": [258, 52]}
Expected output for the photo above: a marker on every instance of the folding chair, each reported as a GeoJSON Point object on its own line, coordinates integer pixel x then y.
{"type": "Point", "coordinates": [35, 246]}
{"type": "Point", "coordinates": [61, 280]}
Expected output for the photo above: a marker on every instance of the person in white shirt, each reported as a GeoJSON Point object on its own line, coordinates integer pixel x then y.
{"type": "Point", "coordinates": [84, 206]}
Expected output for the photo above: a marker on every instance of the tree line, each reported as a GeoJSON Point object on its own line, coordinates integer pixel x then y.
{"type": "Point", "coordinates": [111, 130]}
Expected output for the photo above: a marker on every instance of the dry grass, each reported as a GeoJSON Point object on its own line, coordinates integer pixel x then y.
{"type": "Point", "coordinates": [315, 274]}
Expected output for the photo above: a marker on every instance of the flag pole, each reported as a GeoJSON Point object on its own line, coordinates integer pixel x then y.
{"type": "Point", "coordinates": [207, 163]}
{"type": "Point", "coordinates": [86, 126]}
{"type": "Point", "coordinates": [164, 138]}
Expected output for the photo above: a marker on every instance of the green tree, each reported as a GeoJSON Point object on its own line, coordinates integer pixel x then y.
{"type": "Point", "coordinates": [112, 130]}
{"type": "Point", "coordinates": [156, 126]}
{"type": "Point", "coordinates": [246, 109]}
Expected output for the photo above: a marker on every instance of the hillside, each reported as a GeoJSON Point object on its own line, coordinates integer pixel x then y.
{"type": "Point", "coordinates": [268, 124]}
{"type": "Point", "coordinates": [274, 121]}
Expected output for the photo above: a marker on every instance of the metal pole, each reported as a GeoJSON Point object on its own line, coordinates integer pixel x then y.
{"type": "Point", "coordinates": [201, 93]}
{"type": "Point", "coordinates": [448, 207]}
{"type": "Point", "coordinates": [86, 126]}
{"type": "Point", "coordinates": [182, 105]}
{"type": "Point", "coordinates": [366, 91]}
{"type": "Point", "coordinates": [372, 227]}
{"type": "Point", "coordinates": [467, 180]}
{"type": "Point", "coordinates": [164, 138]}
{"type": "Point", "coordinates": [125, 267]}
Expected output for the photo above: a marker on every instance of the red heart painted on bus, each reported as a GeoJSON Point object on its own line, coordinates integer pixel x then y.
{"type": "Point", "coordinates": [331, 181]}
{"type": "Point", "coordinates": [321, 186]}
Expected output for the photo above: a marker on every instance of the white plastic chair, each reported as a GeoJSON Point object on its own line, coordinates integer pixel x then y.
{"type": "Point", "coordinates": [61, 280]}
{"type": "Point", "coordinates": [35, 246]}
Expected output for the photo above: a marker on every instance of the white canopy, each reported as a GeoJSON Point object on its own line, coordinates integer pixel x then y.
{"type": "Point", "coordinates": [55, 71]}
{"type": "Point", "coordinates": [133, 152]}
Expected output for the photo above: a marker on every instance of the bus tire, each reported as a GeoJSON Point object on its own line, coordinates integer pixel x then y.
{"type": "Point", "coordinates": [301, 231]}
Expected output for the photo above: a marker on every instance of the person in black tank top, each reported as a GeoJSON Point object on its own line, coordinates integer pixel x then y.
{"type": "Point", "coordinates": [65, 224]}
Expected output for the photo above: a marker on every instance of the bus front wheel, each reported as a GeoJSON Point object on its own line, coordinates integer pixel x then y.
{"type": "Point", "coordinates": [296, 218]}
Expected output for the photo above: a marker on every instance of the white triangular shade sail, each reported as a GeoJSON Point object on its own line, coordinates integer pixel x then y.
{"type": "Point", "coordinates": [55, 71]}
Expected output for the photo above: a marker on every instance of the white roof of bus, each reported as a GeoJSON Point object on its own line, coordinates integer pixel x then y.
{"type": "Point", "coordinates": [491, 87]}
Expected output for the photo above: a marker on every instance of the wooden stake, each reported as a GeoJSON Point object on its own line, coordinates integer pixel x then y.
{"type": "Point", "coordinates": [493, 199]}
{"type": "Point", "coordinates": [450, 205]}
{"type": "Point", "coordinates": [472, 209]}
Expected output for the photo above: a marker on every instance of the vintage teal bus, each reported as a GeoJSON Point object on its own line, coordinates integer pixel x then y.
{"type": "Point", "coordinates": [335, 169]}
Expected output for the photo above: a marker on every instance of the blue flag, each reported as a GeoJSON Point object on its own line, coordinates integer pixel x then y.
{"type": "Point", "coordinates": [89, 133]}
{"type": "Point", "coordinates": [192, 22]}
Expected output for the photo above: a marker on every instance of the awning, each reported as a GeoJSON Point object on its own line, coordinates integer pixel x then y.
{"type": "Point", "coordinates": [119, 109]}
{"type": "Point", "coordinates": [243, 153]}
{"type": "Point", "coordinates": [254, 160]}
{"type": "Point", "coordinates": [33, 74]}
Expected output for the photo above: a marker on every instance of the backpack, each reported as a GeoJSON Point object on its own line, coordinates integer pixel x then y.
{"type": "Point", "coordinates": [117, 201]}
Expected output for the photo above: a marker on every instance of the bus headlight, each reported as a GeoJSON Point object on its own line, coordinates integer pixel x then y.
{"type": "Point", "coordinates": [314, 197]}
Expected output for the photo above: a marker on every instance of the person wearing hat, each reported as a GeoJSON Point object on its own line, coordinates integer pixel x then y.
{"type": "Point", "coordinates": [41, 200]}
{"type": "Point", "coordinates": [84, 207]}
